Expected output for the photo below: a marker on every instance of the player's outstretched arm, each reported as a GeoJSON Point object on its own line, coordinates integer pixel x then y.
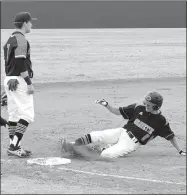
{"type": "Point", "coordinates": [176, 145]}
{"type": "Point", "coordinates": [104, 103]}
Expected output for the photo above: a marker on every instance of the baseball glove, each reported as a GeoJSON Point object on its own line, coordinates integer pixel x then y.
{"type": "Point", "coordinates": [13, 84]}
{"type": "Point", "coordinates": [3, 122]}
{"type": "Point", "coordinates": [3, 99]}
{"type": "Point", "coordinates": [182, 153]}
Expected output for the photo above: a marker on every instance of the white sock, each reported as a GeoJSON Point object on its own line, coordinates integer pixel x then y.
{"type": "Point", "coordinates": [15, 140]}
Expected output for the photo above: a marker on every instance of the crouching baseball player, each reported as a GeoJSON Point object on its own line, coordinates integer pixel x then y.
{"type": "Point", "coordinates": [145, 122]}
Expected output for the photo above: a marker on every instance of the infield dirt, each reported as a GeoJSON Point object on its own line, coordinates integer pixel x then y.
{"type": "Point", "coordinates": [68, 109]}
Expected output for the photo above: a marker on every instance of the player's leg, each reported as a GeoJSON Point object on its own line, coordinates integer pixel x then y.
{"type": "Point", "coordinates": [12, 111]}
{"type": "Point", "coordinates": [109, 136]}
{"type": "Point", "coordinates": [25, 107]}
{"type": "Point", "coordinates": [124, 146]}
{"type": "Point", "coordinates": [12, 130]}
{"type": "Point", "coordinates": [13, 119]}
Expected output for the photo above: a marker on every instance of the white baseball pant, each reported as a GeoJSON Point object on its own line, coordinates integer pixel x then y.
{"type": "Point", "coordinates": [121, 143]}
{"type": "Point", "coordinates": [20, 104]}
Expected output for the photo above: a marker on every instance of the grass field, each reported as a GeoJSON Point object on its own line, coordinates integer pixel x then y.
{"type": "Point", "coordinates": [65, 106]}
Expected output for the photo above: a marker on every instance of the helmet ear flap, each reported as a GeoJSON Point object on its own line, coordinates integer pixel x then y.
{"type": "Point", "coordinates": [156, 107]}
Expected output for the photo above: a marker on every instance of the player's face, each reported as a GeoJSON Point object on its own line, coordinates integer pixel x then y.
{"type": "Point", "coordinates": [148, 106]}
{"type": "Point", "coordinates": [28, 26]}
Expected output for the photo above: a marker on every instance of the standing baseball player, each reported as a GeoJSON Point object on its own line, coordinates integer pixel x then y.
{"type": "Point", "coordinates": [18, 84]}
{"type": "Point", "coordinates": [145, 122]}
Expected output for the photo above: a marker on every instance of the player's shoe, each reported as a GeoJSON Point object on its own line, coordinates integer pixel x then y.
{"type": "Point", "coordinates": [67, 146]}
{"type": "Point", "coordinates": [71, 148]}
{"type": "Point", "coordinates": [75, 151]}
{"type": "Point", "coordinates": [95, 148]}
{"type": "Point", "coordinates": [18, 151]}
{"type": "Point", "coordinates": [28, 152]}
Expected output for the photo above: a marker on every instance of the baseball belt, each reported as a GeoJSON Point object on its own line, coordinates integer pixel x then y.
{"type": "Point", "coordinates": [131, 135]}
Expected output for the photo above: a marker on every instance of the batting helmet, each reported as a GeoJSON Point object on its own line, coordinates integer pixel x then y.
{"type": "Point", "coordinates": [155, 98]}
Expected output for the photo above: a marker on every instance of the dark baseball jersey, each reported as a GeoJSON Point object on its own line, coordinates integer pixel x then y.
{"type": "Point", "coordinates": [144, 125]}
{"type": "Point", "coordinates": [17, 55]}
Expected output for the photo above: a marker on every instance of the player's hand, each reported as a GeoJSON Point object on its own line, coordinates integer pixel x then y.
{"type": "Point", "coordinates": [103, 102]}
{"type": "Point", "coordinates": [13, 84]}
{"type": "Point", "coordinates": [30, 89]}
{"type": "Point", "coordinates": [182, 153]}
{"type": "Point", "coordinates": [31, 74]}
{"type": "Point", "coordinates": [3, 122]}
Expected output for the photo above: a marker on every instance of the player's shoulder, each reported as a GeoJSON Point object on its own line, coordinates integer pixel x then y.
{"type": "Point", "coordinates": [133, 106]}
{"type": "Point", "coordinates": [162, 119]}
{"type": "Point", "coordinates": [19, 35]}
{"type": "Point", "coordinates": [139, 107]}
{"type": "Point", "coordinates": [11, 40]}
{"type": "Point", "coordinates": [20, 38]}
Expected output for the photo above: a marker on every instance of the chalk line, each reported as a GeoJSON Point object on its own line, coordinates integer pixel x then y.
{"type": "Point", "coordinates": [123, 177]}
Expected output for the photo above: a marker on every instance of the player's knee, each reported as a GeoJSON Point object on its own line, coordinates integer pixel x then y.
{"type": "Point", "coordinates": [13, 118]}
{"type": "Point", "coordinates": [108, 154]}
{"type": "Point", "coordinates": [28, 119]}
{"type": "Point", "coordinates": [96, 136]}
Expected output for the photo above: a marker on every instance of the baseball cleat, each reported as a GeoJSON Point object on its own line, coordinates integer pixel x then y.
{"type": "Point", "coordinates": [63, 144]}
{"type": "Point", "coordinates": [28, 153]}
{"type": "Point", "coordinates": [18, 151]}
{"type": "Point", "coordinates": [82, 152]}
{"type": "Point", "coordinates": [71, 148]}
{"type": "Point", "coordinates": [66, 146]}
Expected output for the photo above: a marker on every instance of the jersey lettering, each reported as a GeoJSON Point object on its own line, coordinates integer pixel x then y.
{"type": "Point", "coordinates": [143, 126]}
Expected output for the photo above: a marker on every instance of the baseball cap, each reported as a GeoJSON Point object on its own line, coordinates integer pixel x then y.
{"type": "Point", "coordinates": [23, 17]}
{"type": "Point", "coordinates": [153, 97]}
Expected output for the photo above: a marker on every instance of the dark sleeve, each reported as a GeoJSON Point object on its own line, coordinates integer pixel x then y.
{"type": "Point", "coordinates": [9, 47]}
{"type": "Point", "coordinates": [165, 130]}
{"type": "Point", "coordinates": [128, 111]}
{"type": "Point", "coordinates": [21, 65]}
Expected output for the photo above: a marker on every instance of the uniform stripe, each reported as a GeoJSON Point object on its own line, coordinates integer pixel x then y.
{"type": "Point", "coordinates": [12, 130]}
{"type": "Point", "coordinates": [170, 135]}
{"type": "Point", "coordinates": [87, 139]}
{"type": "Point", "coordinates": [83, 140]}
{"type": "Point", "coordinates": [20, 56]}
{"type": "Point", "coordinates": [21, 128]}
{"type": "Point", "coordinates": [145, 137]}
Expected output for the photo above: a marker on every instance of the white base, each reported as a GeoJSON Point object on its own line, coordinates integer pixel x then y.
{"type": "Point", "coordinates": [49, 161]}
